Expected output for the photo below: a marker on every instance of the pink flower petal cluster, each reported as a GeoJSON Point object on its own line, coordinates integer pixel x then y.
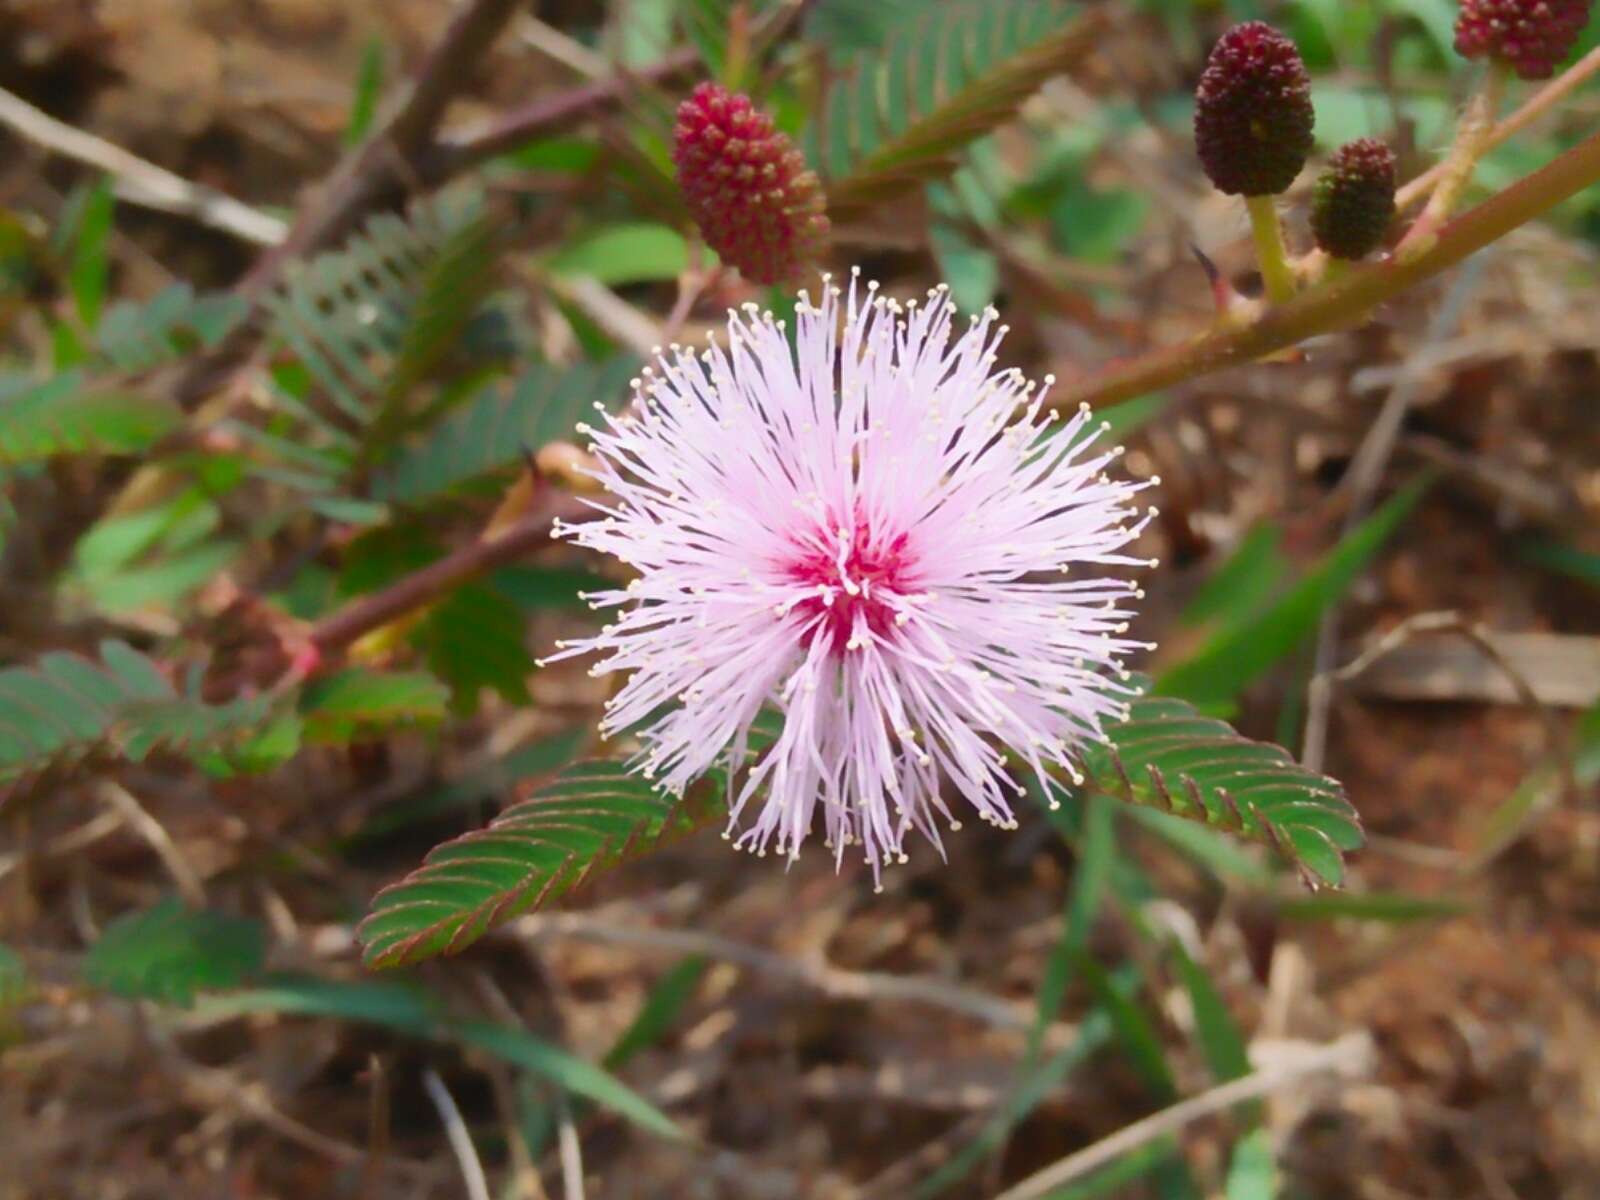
{"type": "Point", "coordinates": [884, 536]}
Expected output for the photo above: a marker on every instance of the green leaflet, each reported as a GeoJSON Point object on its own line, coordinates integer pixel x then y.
{"type": "Point", "coordinates": [13, 979]}
{"type": "Point", "coordinates": [170, 952]}
{"type": "Point", "coordinates": [897, 115]}
{"type": "Point", "coordinates": [67, 707]}
{"type": "Point", "coordinates": [356, 700]}
{"type": "Point", "coordinates": [497, 427]}
{"type": "Point", "coordinates": [68, 414]}
{"type": "Point", "coordinates": [1167, 755]}
{"type": "Point", "coordinates": [174, 322]}
{"type": "Point", "coordinates": [619, 254]}
{"type": "Point", "coordinates": [592, 816]}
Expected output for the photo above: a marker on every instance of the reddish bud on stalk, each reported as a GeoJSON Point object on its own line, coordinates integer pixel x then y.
{"type": "Point", "coordinates": [1353, 203]}
{"type": "Point", "coordinates": [1253, 114]}
{"type": "Point", "coordinates": [748, 188]}
{"type": "Point", "coordinates": [1532, 37]}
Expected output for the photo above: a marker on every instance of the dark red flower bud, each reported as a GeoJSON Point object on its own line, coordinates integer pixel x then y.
{"type": "Point", "coordinates": [1531, 36]}
{"type": "Point", "coordinates": [748, 188]}
{"type": "Point", "coordinates": [1353, 203]}
{"type": "Point", "coordinates": [1253, 115]}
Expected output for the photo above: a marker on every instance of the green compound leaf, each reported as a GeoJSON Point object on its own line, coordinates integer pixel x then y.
{"type": "Point", "coordinates": [899, 114]}
{"type": "Point", "coordinates": [170, 952]}
{"type": "Point", "coordinates": [1170, 757]}
{"type": "Point", "coordinates": [591, 817]}
{"type": "Point", "coordinates": [495, 429]}
{"type": "Point", "coordinates": [141, 335]}
{"type": "Point", "coordinates": [366, 325]}
{"type": "Point", "coordinates": [66, 708]}
{"type": "Point", "coordinates": [69, 414]}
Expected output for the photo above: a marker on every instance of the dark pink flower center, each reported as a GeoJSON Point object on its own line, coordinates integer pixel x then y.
{"type": "Point", "coordinates": [863, 581]}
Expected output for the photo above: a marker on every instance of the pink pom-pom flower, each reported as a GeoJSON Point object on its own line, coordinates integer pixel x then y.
{"type": "Point", "coordinates": [883, 536]}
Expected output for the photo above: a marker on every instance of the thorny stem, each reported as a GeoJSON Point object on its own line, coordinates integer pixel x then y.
{"type": "Point", "coordinates": [1345, 301]}
{"type": "Point", "coordinates": [543, 116]}
{"type": "Point", "coordinates": [1270, 254]}
{"type": "Point", "coordinates": [1472, 140]}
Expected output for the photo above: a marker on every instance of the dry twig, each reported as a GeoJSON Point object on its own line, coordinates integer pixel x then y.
{"type": "Point", "coordinates": [140, 182]}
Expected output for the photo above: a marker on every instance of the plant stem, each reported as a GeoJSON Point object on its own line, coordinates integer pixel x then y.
{"type": "Point", "coordinates": [1315, 265]}
{"type": "Point", "coordinates": [738, 55]}
{"type": "Point", "coordinates": [381, 165]}
{"type": "Point", "coordinates": [362, 616]}
{"type": "Point", "coordinates": [1270, 254]}
{"type": "Point", "coordinates": [544, 115]}
{"type": "Point", "coordinates": [1472, 140]}
{"type": "Point", "coordinates": [1537, 105]}
{"type": "Point", "coordinates": [1345, 301]}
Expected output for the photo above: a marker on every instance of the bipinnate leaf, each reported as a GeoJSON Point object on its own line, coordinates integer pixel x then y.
{"type": "Point", "coordinates": [67, 707]}
{"type": "Point", "coordinates": [1170, 757]}
{"type": "Point", "coordinates": [899, 114]}
{"type": "Point", "coordinates": [592, 816]}
{"type": "Point", "coordinates": [364, 326]}
{"type": "Point", "coordinates": [69, 414]}
{"type": "Point", "coordinates": [170, 952]}
{"type": "Point", "coordinates": [501, 424]}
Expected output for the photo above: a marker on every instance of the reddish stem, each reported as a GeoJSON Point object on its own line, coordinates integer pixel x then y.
{"type": "Point", "coordinates": [362, 616]}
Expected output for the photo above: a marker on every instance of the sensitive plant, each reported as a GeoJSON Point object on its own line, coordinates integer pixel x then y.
{"type": "Point", "coordinates": [860, 577]}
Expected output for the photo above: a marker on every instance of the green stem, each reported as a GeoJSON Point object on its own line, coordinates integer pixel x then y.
{"type": "Point", "coordinates": [1346, 301]}
{"type": "Point", "coordinates": [1473, 136]}
{"type": "Point", "coordinates": [1270, 254]}
{"type": "Point", "coordinates": [737, 61]}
